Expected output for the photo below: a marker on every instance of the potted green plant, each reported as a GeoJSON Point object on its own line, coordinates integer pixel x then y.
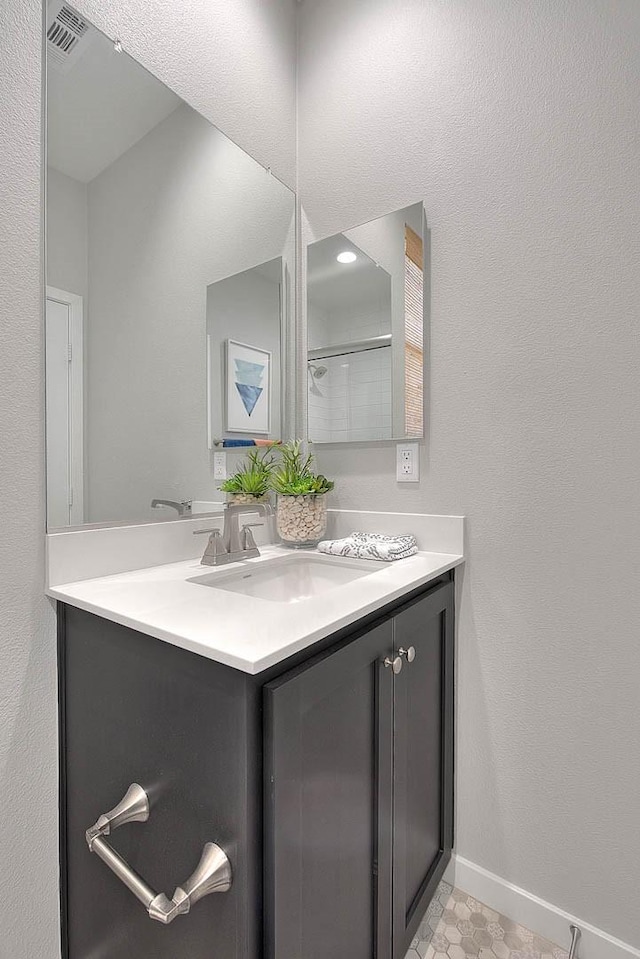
{"type": "Point", "coordinates": [251, 482]}
{"type": "Point", "coordinates": [302, 501]}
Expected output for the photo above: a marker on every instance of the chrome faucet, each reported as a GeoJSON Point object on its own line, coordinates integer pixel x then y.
{"type": "Point", "coordinates": [233, 544]}
{"type": "Point", "coordinates": [183, 508]}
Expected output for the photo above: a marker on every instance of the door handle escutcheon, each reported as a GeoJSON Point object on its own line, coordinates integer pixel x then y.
{"type": "Point", "coordinates": [212, 874]}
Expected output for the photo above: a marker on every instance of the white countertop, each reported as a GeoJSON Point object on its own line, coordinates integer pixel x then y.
{"type": "Point", "coordinates": [244, 632]}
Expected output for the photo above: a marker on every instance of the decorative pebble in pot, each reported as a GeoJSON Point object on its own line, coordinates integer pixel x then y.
{"type": "Point", "coordinates": [301, 513]}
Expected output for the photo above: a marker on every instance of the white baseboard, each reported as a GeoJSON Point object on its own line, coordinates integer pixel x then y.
{"type": "Point", "coordinates": [541, 917]}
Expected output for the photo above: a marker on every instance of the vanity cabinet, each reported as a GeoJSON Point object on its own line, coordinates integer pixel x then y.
{"type": "Point", "coordinates": [327, 780]}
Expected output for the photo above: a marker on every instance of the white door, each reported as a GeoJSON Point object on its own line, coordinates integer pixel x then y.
{"type": "Point", "coordinates": [63, 343]}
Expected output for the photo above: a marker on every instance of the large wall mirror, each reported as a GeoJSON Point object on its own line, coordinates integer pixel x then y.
{"type": "Point", "coordinates": [365, 318]}
{"type": "Point", "coordinates": [170, 257]}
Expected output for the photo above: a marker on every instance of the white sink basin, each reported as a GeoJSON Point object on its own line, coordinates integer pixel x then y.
{"type": "Point", "coordinates": [290, 579]}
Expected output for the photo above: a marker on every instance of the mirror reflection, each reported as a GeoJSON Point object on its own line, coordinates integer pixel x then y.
{"type": "Point", "coordinates": [365, 317]}
{"type": "Point", "coordinates": [246, 333]}
{"type": "Point", "coordinates": [165, 241]}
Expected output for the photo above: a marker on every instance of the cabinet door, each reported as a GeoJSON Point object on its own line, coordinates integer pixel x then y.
{"type": "Point", "coordinates": [328, 776]}
{"type": "Point", "coordinates": [423, 759]}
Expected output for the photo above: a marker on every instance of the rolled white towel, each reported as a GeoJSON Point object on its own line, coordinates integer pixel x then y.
{"type": "Point", "coordinates": [371, 546]}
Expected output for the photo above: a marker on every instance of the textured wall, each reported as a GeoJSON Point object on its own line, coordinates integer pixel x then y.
{"type": "Point", "coordinates": [517, 124]}
{"type": "Point", "coordinates": [236, 63]}
{"type": "Point", "coordinates": [28, 825]}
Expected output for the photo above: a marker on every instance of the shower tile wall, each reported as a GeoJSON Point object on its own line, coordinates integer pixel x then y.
{"type": "Point", "coordinates": [353, 399]}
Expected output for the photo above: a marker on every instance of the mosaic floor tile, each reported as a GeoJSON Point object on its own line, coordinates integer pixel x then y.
{"type": "Point", "coordinates": [457, 926]}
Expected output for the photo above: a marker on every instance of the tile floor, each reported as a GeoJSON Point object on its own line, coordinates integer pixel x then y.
{"type": "Point", "coordinates": [457, 926]}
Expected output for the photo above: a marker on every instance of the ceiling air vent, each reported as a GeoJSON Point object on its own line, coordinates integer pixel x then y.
{"type": "Point", "coordinates": [67, 35]}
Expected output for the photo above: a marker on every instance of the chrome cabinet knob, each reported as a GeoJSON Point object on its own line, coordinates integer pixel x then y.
{"type": "Point", "coordinates": [409, 653]}
{"type": "Point", "coordinates": [395, 663]}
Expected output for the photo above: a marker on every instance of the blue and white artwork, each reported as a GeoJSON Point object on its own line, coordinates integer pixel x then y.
{"type": "Point", "coordinates": [248, 387]}
{"type": "Point", "coordinates": [248, 379]}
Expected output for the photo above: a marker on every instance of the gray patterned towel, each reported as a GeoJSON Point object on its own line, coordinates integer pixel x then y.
{"type": "Point", "coordinates": [371, 546]}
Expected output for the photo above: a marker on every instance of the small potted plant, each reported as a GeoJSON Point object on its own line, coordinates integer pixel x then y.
{"type": "Point", "coordinates": [252, 480]}
{"type": "Point", "coordinates": [302, 498]}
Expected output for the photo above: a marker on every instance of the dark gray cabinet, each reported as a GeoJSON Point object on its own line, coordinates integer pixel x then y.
{"type": "Point", "coordinates": [359, 788]}
{"type": "Point", "coordinates": [327, 780]}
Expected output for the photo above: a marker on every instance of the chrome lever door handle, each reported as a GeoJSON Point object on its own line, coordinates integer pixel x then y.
{"type": "Point", "coordinates": [212, 874]}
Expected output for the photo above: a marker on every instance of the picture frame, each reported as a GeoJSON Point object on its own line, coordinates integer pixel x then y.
{"type": "Point", "coordinates": [248, 389]}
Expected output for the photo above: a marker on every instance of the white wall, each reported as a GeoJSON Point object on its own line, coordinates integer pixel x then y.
{"type": "Point", "coordinates": [183, 208]}
{"type": "Point", "coordinates": [209, 63]}
{"type": "Point", "coordinates": [67, 225]}
{"type": "Point", "coordinates": [517, 124]}
{"type": "Point", "coordinates": [28, 756]}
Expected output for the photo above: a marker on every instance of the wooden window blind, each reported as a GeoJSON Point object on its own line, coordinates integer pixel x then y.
{"type": "Point", "coordinates": [413, 333]}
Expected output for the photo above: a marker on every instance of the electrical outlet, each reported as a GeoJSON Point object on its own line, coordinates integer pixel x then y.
{"type": "Point", "coordinates": [220, 466]}
{"type": "Point", "coordinates": [407, 463]}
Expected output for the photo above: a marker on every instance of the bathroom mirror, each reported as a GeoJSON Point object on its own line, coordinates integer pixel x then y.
{"type": "Point", "coordinates": [366, 319]}
{"type": "Point", "coordinates": [164, 243]}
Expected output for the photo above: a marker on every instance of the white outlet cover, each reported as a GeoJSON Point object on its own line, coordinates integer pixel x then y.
{"type": "Point", "coordinates": [220, 466]}
{"type": "Point", "coordinates": [408, 463]}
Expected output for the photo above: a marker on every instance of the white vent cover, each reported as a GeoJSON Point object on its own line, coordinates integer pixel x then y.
{"type": "Point", "coordinates": [67, 36]}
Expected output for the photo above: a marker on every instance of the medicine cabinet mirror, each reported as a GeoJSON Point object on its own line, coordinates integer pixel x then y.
{"type": "Point", "coordinates": [164, 242]}
{"type": "Point", "coordinates": [365, 318]}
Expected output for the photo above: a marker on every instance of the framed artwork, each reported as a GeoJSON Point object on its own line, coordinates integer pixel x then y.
{"type": "Point", "coordinates": [248, 390]}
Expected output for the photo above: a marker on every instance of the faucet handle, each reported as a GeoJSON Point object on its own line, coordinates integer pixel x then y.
{"type": "Point", "coordinates": [197, 532]}
{"type": "Point", "coordinates": [248, 542]}
{"type": "Point", "coordinates": [215, 547]}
